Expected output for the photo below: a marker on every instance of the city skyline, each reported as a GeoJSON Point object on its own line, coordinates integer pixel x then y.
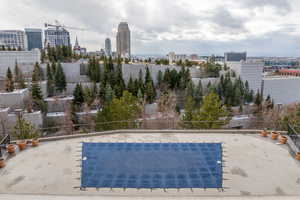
{"type": "Point", "coordinates": [262, 28]}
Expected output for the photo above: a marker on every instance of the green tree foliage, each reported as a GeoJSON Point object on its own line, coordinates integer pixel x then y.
{"type": "Point", "coordinates": [119, 86]}
{"type": "Point", "coordinates": [78, 95]}
{"type": "Point", "coordinates": [211, 69]}
{"type": "Point", "coordinates": [150, 91]}
{"type": "Point", "coordinates": [109, 94]}
{"type": "Point", "coordinates": [60, 79]}
{"type": "Point", "coordinates": [94, 72]}
{"type": "Point", "coordinates": [211, 114]}
{"type": "Point", "coordinates": [9, 81]}
{"type": "Point", "coordinates": [119, 111]}
{"type": "Point", "coordinates": [189, 110]}
{"type": "Point", "coordinates": [159, 79]}
{"type": "Point", "coordinates": [50, 81]}
{"type": "Point", "coordinates": [36, 91]}
{"type": "Point", "coordinates": [38, 73]}
{"type": "Point", "coordinates": [24, 129]}
{"type": "Point", "coordinates": [19, 77]}
{"type": "Point", "coordinates": [59, 53]}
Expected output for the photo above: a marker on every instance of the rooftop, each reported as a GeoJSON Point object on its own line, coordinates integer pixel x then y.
{"type": "Point", "coordinates": [252, 166]}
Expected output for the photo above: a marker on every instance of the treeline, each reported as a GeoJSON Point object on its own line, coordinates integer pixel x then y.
{"type": "Point", "coordinates": [3, 48]}
{"type": "Point", "coordinates": [111, 80]}
{"type": "Point", "coordinates": [232, 91]}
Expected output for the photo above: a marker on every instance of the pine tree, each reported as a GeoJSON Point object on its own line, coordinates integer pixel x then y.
{"type": "Point", "coordinates": [50, 81]}
{"type": "Point", "coordinates": [210, 113]}
{"type": "Point", "coordinates": [198, 93]}
{"type": "Point", "coordinates": [189, 109]}
{"type": "Point", "coordinates": [109, 94]}
{"type": "Point", "coordinates": [19, 78]}
{"type": "Point", "coordinates": [131, 87]}
{"type": "Point", "coordinates": [78, 95]}
{"type": "Point", "coordinates": [9, 82]}
{"type": "Point", "coordinates": [159, 79]}
{"type": "Point", "coordinates": [36, 91]}
{"type": "Point", "coordinates": [60, 79]}
{"type": "Point", "coordinates": [120, 84]}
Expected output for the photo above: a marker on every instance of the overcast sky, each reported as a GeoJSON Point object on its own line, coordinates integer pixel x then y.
{"type": "Point", "coordinates": [260, 27]}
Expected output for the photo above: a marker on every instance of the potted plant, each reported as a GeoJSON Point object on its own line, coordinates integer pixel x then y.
{"type": "Point", "coordinates": [298, 156]}
{"type": "Point", "coordinates": [2, 163]}
{"type": "Point", "coordinates": [11, 149]}
{"type": "Point", "coordinates": [283, 139]}
{"type": "Point", "coordinates": [274, 135]}
{"type": "Point", "coordinates": [264, 133]}
{"type": "Point", "coordinates": [25, 131]}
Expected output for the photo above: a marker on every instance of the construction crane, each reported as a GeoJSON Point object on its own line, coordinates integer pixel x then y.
{"type": "Point", "coordinates": [58, 25]}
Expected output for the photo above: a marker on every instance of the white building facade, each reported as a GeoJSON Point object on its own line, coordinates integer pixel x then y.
{"type": "Point", "coordinates": [25, 60]}
{"type": "Point", "coordinates": [13, 39]}
{"type": "Point", "coordinates": [249, 71]}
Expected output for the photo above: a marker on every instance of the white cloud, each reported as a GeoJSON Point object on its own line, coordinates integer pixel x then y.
{"type": "Point", "coordinates": [159, 26]}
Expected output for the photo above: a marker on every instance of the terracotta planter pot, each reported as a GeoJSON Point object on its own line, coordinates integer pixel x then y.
{"type": "Point", "coordinates": [298, 156]}
{"type": "Point", "coordinates": [22, 145]}
{"type": "Point", "coordinates": [283, 139]}
{"type": "Point", "coordinates": [11, 149]}
{"type": "Point", "coordinates": [2, 163]}
{"type": "Point", "coordinates": [275, 135]}
{"type": "Point", "coordinates": [35, 142]}
{"type": "Point", "coordinates": [264, 133]}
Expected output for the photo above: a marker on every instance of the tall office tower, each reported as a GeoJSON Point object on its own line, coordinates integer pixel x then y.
{"type": "Point", "coordinates": [107, 47]}
{"type": "Point", "coordinates": [235, 56]}
{"type": "Point", "coordinates": [57, 37]}
{"type": "Point", "coordinates": [34, 38]}
{"type": "Point", "coordinates": [123, 40]}
{"type": "Point", "coordinates": [13, 39]}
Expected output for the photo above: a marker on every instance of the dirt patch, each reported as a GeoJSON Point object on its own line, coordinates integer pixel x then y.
{"type": "Point", "coordinates": [239, 171]}
{"type": "Point", "coordinates": [15, 181]}
{"type": "Point", "coordinates": [279, 191]}
{"type": "Point", "coordinates": [245, 193]}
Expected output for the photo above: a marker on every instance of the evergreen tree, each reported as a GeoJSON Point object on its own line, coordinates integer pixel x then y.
{"type": "Point", "coordinates": [131, 87]}
{"type": "Point", "coordinates": [50, 81]}
{"type": "Point", "coordinates": [109, 94]}
{"type": "Point", "coordinates": [159, 79]}
{"type": "Point", "coordinates": [19, 78]}
{"type": "Point", "coordinates": [9, 82]}
{"type": "Point", "coordinates": [36, 91]}
{"type": "Point", "coordinates": [150, 92]}
{"type": "Point", "coordinates": [210, 114]}
{"type": "Point", "coordinates": [60, 79]}
{"type": "Point", "coordinates": [78, 95]}
{"type": "Point", "coordinates": [258, 99]}
{"type": "Point", "coordinates": [119, 86]}
{"type": "Point", "coordinates": [188, 112]}
{"type": "Point", "coordinates": [198, 93]}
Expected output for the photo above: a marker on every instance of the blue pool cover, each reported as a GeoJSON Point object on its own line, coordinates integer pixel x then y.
{"type": "Point", "coordinates": [151, 165]}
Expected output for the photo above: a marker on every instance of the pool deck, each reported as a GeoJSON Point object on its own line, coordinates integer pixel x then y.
{"type": "Point", "coordinates": [254, 167]}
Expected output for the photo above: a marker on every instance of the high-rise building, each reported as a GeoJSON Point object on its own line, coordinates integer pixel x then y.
{"type": "Point", "coordinates": [34, 38]}
{"type": "Point", "coordinates": [123, 40]}
{"type": "Point", "coordinates": [14, 39]}
{"type": "Point", "coordinates": [235, 56]}
{"type": "Point", "coordinates": [107, 47]}
{"type": "Point", "coordinates": [57, 37]}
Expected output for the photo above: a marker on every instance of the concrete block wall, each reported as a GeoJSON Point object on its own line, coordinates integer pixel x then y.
{"type": "Point", "coordinates": [283, 90]}
{"type": "Point", "coordinates": [14, 99]}
{"type": "Point", "coordinates": [58, 104]}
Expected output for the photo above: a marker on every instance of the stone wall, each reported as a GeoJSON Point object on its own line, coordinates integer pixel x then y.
{"type": "Point", "coordinates": [14, 99]}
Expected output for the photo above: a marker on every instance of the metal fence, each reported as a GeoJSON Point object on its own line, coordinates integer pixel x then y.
{"type": "Point", "coordinates": [294, 135]}
{"type": "Point", "coordinates": [3, 143]}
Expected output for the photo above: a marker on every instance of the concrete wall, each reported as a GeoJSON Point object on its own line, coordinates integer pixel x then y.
{"type": "Point", "coordinates": [284, 90]}
{"type": "Point", "coordinates": [134, 69]}
{"type": "Point", "coordinates": [10, 119]}
{"type": "Point", "coordinates": [58, 104]}
{"type": "Point", "coordinates": [249, 71]}
{"type": "Point", "coordinates": [25, 60]}
{"type": "Point", "coordinates": [14, 99]}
